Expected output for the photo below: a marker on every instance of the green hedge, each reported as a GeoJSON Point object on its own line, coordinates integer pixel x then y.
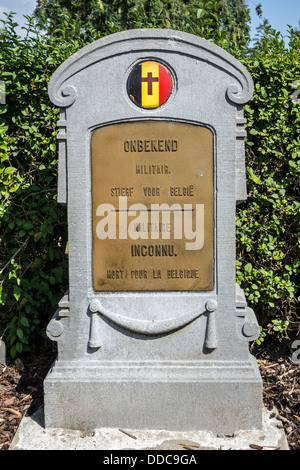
{"type": "Point", "coordinates": [33, 231]}
{"type": "Point", "coordinates": [268, 223]}
{"type": "Point", "coordinates": [34, 268]}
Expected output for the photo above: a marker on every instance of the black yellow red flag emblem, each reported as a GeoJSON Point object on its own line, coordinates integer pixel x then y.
{"type": "Point", "coordinates": [150, 84]}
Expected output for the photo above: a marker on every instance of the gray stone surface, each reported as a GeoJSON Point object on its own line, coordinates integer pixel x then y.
{"type": "Point", "coordinates": [200, 375]}
{"type": "Point", "coordinates": [2, 352]}
{"type": "Point", "coordinates": [32, 435]}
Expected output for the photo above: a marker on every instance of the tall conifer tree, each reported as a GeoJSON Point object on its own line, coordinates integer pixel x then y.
{"type": "Point", "coordinates": [218, 20]}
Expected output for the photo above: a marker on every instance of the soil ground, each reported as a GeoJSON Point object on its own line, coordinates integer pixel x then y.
{"type": "Point", "coordinates": [21, 390]}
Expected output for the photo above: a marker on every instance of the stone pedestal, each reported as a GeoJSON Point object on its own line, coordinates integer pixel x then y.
{"type": "Point", "coordinates": [222, 397]}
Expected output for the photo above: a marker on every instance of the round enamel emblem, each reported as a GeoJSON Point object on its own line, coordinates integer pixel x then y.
{"type": "Point", "coordinates": [150, 84]}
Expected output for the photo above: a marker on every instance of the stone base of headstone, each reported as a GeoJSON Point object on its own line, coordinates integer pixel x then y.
{"type": "Point", "coordinates": [218, 396]}
{"type": "Point", "coordinates": [32, 435]}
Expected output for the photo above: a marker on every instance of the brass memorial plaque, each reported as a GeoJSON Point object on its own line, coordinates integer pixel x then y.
{"type": "Point", "coordinates": [153, 209]}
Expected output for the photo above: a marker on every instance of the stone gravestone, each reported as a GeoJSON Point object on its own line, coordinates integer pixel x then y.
{"type": "Point", "coordinates": [153, 332]}
{"type": "Point", "coordinates": [2, 352]}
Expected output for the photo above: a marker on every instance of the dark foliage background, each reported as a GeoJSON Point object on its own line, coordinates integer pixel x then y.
{"type": "Point", "coordinates": [33, 231]}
